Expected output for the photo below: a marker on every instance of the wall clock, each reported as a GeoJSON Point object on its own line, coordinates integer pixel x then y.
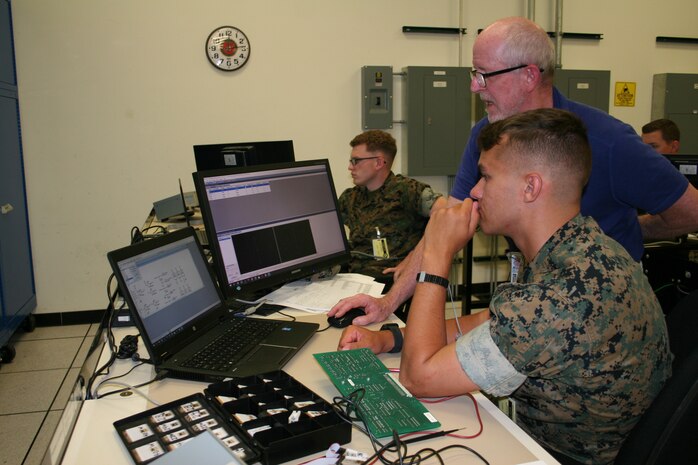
{"type": "Point", "coordinates": [227, 48]}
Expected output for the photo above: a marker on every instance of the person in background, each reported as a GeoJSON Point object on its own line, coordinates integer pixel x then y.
{"type": "Point", "coordinates": [382, 207]}
{"type": "Point", "coordinates": [580, 343]}
{"type": "Point", "coordinates": [513, 67]}
{"type": "Point", "coordinates": [663, 135]}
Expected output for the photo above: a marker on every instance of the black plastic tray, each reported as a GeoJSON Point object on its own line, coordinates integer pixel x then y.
{"type": "Point", "coordinates": [152, 433]}
{"type": "Point", "coordinates": [270, 417]}
{"type": "Point", "coordinates": [261, 407]}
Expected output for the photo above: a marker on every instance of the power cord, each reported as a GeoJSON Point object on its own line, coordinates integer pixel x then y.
{"type": "Point", "coordinates": [111, 295]}
{"type": "Point", "coordinates": [127, 387]}
{"type": "Point", "coordinates": [138, 235]}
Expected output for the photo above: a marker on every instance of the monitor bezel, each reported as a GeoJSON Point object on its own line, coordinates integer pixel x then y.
{"type": "Point", "coordinates": [678, 159]}
{"type": "Point", "coordinates": [210, 156]}
{"type": "Point", "coordinates": [254, 290]}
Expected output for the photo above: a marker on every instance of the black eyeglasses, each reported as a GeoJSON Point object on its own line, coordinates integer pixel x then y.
{"type": "Point", "coordinates": [356, 161]}
{"type": "Point", "coordinates": [480, 77]}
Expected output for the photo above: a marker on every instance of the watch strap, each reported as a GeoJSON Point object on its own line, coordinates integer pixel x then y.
{"type": "Point", "coordinates": [424, 277]}
{"type": "Point", "coordinates": [397, 336]}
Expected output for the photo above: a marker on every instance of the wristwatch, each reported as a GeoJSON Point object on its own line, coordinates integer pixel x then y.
{"type": "Point", "coordinates": [397, 336]}
{"type": "Point", "coordinates": [424, 277]}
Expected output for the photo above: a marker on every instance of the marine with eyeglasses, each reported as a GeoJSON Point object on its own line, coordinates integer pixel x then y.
{"type": "Point", "coordinates": [385, 213]}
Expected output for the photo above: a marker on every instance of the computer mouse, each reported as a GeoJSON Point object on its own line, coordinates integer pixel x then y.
{"type": "Point", "coordinates": [346, 319]}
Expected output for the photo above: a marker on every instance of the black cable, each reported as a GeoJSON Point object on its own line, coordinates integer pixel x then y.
{"type": "Point", "coordinates": [128, 347]}
{"type": "Point", "coordinates": [348, 409]}
{"type": "Point", "coordinates": [157, 377]}
{"type": "Point", "coordinates": [293, 318]}
{"type": "Point", "coordinates": [111, 308]}
{"type": "Point", "coordinates": [136, 235]}
{"type": "Point", "coordinates": [121, 375]}
{"type": "Point", "coordinates": [161, 231]}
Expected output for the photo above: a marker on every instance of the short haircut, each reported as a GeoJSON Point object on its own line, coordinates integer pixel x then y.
{"type": "Point", "coordinates": [553, 138]}
{"type": "Point", "coordinates": [526, 43]}
{"type": "Point", "coordinates": [376, 141]}
{"type": "Point", "coordinates": [670, 131]}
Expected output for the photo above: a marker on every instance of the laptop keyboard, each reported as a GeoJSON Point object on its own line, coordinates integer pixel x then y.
{"type": "Point", "coordinates": [227, 349]}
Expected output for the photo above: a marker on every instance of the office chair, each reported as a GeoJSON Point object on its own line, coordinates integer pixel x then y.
{"type": "Point", "coordinates": [667, 432]}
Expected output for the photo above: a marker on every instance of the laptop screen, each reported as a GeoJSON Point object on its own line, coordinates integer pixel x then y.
{"type": "Point", "coordinates": [169, 286]}
{"type": "Point", "coordinates": [270, 224]}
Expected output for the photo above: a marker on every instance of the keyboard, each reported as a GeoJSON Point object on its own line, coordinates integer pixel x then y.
{"type": "Point", "coordinates": [241, 336]}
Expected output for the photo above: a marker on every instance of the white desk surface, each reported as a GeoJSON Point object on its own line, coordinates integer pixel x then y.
{"type": "Point", "coordinates": [94, 439]}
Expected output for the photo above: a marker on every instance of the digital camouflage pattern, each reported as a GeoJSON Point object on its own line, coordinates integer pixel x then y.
{"type": "Point", "coordinates": [585, 327]}
{"type": "Point", "coordinates": [399, 208]}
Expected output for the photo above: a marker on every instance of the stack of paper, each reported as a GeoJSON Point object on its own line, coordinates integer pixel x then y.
{"type": "Point", "coordinates": [320, 296]}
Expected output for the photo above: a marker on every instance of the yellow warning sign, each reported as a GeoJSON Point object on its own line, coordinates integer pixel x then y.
{"type": "Point", "coordinates": [624, 94]}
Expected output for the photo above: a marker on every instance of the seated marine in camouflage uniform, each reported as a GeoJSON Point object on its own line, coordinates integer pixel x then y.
{"type": "Point", "coordinates": [580, 344]}
{"type": "Point", "coordinates": [394, 206]}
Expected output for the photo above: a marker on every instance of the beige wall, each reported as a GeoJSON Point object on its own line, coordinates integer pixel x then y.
{"type": "Point", "coordinates": [113, 94]}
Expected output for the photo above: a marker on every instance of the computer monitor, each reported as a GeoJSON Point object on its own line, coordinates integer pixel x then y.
{"type": "Point", "coordinates": [270, 224]}
{"type": "Point", "coordinates": [686, 164]}
{"type": "Point", "coordinates": [219, 156]}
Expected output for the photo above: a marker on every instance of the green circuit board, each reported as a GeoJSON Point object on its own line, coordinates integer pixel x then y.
{"type": "Point", "coordinates": [386, 405]}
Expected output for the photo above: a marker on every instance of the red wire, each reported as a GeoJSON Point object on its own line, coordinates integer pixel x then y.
{"type": "Point", "coordinates": [477, 413]}
{"type": "Point", "coordinates": [444, 399]}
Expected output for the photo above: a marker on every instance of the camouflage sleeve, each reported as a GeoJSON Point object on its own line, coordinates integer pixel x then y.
{"type": "Point", "coordinates": [344, 205]}
{"type": "Point", "coordinates": [427, 199]}
{"type": "Point", "coordinates": [535, 328]}
{"type": "Point", "coordinates": [485, 364]}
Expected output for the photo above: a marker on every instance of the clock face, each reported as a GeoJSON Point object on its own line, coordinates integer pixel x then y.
{"type": "Point", "coordinates": [227, 48]}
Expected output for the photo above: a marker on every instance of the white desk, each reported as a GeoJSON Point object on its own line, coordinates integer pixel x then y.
{"type": "Point", "coordinates": [94, 439]}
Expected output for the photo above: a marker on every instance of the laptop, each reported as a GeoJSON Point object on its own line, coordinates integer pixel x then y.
{"type": "Point", "coordinates": [182, 316]}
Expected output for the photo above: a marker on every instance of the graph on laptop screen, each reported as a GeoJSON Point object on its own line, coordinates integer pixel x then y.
{"type": "Point", "coordinates": [270, 224]}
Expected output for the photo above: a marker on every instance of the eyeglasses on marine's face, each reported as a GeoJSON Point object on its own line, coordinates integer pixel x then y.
{"type": "Point", "coordinates": [356, 161]}
{"type": "Point", "coordinates": [480, 77]}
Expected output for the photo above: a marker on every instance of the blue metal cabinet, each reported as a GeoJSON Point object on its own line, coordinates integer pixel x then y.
{"type": "Point", "coordinates": [17, 291]}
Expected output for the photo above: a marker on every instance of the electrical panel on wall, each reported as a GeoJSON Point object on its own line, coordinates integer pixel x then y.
{"type": "Point", "coordinates": [437, 104]}
{"type": "Point", "coordinates": [675, 97]}
{"type": "Point", "coordinates": [591, 87]}
{"type": "Point", "coordinates": [377, 97]}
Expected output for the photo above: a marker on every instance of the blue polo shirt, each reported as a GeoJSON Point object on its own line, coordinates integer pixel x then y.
{"type": "Point", "coordinates": [626, 174]}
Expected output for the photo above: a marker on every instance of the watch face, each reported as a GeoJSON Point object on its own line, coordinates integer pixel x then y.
{"type": "Point", "coordinates": [227, 48]}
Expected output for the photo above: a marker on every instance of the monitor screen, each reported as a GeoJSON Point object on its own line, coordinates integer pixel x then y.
{"type": "Point", "coordinates": [218, 156]}
{"type": "Point", "coordinates": [270, 224]}
{"type": "Point", "coordinates": [686, 164]}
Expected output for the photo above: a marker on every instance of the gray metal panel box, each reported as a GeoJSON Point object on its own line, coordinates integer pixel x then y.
{"type": "Point", "coordinates": [437, 105]}
{"type": "Point", "coordinates": [592, 88]}
{"type": "Point", "coordinates": [377, 97]}
{"type": "Point", "coordinates": [675, 97]}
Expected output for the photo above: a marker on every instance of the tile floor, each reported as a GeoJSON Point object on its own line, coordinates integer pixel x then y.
{"type": "Point", "coordinates": [35, 386]}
